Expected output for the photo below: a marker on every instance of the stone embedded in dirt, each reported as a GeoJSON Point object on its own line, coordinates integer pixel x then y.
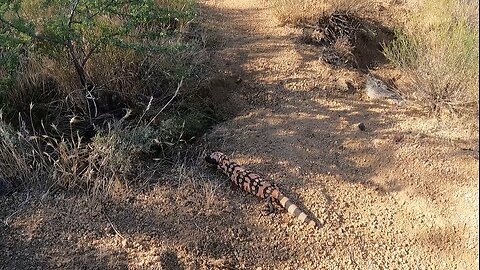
{"type": "Point", "coordinates": [124, 243]}
{"type": "Point", "coordinates": [361, 126]}
{"type": "Point", "coordinates": [377, 89]}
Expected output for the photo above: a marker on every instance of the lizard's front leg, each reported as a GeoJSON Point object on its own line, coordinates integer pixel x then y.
{"type": "Point", "coordinates": [269, 208]}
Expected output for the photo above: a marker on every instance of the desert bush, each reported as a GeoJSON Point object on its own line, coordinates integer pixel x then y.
{"type": "Point", "coordinates": [439, 49]}
{"type": "Point", "coordinates": [89, 46]}
{"type": "Point", "coordinates": [112, 161]}
{"type": "Point", "coordinates": [90, 91]}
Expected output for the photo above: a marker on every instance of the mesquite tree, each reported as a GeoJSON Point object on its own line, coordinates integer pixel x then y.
{"type": "Point", "coordinates": [78, 29]}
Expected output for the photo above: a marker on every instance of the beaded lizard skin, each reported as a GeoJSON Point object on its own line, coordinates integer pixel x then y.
{"type": "Point", "coordinates": [256, 185]}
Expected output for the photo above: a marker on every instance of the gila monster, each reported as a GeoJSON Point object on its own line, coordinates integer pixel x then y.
{"type": "Point", "coordinates": [256, 185]}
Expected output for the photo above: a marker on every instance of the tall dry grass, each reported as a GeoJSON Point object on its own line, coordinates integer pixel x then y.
{"type": "Point", "coordinates": [309, 11]}
{"type": "Point", "coordinates": [115, 159]}
{"type": "Point", "coordinates": [439, 48]}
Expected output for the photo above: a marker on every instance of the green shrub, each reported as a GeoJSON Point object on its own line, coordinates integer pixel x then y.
{"type": "Point", "coordinates": [439, 48]}
{"type": "Point", "coordinates": [74, 43]}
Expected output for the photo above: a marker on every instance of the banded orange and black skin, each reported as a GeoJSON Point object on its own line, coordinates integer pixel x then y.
{"type": "Point", "coordinates": [256, 185]}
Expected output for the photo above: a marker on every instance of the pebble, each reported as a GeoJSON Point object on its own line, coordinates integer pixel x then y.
{"type": "Point", "coordinates": [124, 243]}
{"type": "Point", "coordinates": [361, 126]}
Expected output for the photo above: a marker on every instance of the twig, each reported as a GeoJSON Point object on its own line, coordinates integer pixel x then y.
{"type": "Point", "coordinates": [90, 96]}
{"type": "Point", "coordinates": [113, 226]}
{"type": "Point", "coordinates": [72, 12]}
{"type": "Point", "coordinates": [89, 54]}
{"type": "Point", "coordinates": [145, 111]}
{"type": "Point", "coordinates": [19, 209]}
{"type": "Point", "coordinates": [165, 106]}
{"type": "Point", "coordinates": [76, 63]}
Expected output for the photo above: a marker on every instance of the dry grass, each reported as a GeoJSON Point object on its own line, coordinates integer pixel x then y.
{"type": "Point", "coordinates": [119, 156]}
{"type": "Point", "coordinates": [291, 11]}
{"type": "Point", "coordinates": [18, 158]}
{"type": "Point", "coordinates": [439, 48]}
{"type": "Point", "coordinates": [44, 136]}
{"type": "Point", "coordinates": [309, 11]}
{"type": "Point", "coordinates": [113, 160]}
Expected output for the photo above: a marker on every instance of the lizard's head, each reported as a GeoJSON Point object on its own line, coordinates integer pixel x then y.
{"type": "Point", "coordinates": [215, 158]}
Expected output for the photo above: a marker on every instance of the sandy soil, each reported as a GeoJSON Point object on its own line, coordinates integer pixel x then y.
{"type": "Point", "coordinates": [403, 194]}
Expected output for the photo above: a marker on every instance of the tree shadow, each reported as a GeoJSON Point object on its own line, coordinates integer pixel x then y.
{"type": "Point", "coordinates": [161, 228]}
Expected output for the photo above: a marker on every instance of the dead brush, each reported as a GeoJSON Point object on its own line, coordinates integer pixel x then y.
{"type": "Point", "coordinates": [111, 162]}
{"type": "Point", "coordinates": [20, 159]}
{"type": "Point", "coordinates": [337, 35]}
{"type": "Point", "coordinates": [343, 49]}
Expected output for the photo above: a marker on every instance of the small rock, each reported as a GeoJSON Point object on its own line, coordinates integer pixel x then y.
{"type": "Point", "coordinates": [124, 243]}
{"type": "Point", "coordinates": [361, 126]}
{"type": "Point", "coordinates": [376, 89]}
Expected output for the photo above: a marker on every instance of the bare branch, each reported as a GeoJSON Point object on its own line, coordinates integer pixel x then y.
{"type": "Point", "coordinates": [89, 54]}
{"type": "Point", "coordinates": [168, 103]}
{"type": "Point", "coordinates": [78, 67]}
{"type": "Point", "coordinates": [72, 12]}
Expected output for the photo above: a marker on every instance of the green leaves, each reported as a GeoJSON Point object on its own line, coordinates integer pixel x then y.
{"type": "Point", "coordinates": [78, 29]}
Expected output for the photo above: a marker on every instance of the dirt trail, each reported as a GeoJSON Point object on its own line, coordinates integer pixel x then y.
{"type": "Point", "coordinates": [403, 194]}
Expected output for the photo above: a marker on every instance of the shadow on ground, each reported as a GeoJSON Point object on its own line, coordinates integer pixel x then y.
{"type": "Point", "coordinates": [299, 137]}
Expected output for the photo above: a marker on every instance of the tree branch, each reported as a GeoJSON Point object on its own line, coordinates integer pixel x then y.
{"type": "Point", "coordinates": [168, 103]}
{"type": "Point", "coordinates": [78, 67]}
{"type": "Point", "coordinates": [72, 12]}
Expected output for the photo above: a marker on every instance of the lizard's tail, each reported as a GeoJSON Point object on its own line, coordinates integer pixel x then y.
{"type": "Point", "coordinates": [294, 210]}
